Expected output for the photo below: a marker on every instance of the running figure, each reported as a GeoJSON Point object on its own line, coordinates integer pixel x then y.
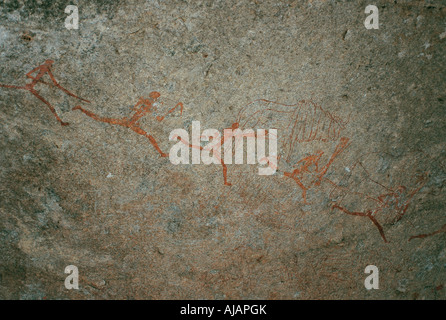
{"type": "Point", "coordinates": [41, 71]}
{"type": "Point", "coordinates": [309, 174]}
{"type": "Point", "coordinates": [142, 107]}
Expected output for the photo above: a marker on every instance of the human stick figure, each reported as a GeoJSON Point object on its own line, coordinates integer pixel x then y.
{"type": "Point", "coordinates": [310, 166]}
{"type": "Point", "coordinates": [41, 70]}
{"type": "Point", "coordinates": [142, 107]}
{"type": "Point", "coordinates": [217, 155]}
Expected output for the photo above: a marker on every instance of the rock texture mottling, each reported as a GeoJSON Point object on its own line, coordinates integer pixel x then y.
{"type": "Point", "coordinates": [99, 196]}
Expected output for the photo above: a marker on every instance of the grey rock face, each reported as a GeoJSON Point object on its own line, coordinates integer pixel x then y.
{"type": "Point", "coordinates": [97, 194]}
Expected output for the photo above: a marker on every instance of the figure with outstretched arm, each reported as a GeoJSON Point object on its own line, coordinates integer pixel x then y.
{"type": "Point", "coordinates": [41, 70]}
{"type": "Point", "coordinates": [142, 107]}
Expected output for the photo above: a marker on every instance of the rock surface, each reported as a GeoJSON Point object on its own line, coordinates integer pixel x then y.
{"type": "Point", "coordinates": [100, 197]}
